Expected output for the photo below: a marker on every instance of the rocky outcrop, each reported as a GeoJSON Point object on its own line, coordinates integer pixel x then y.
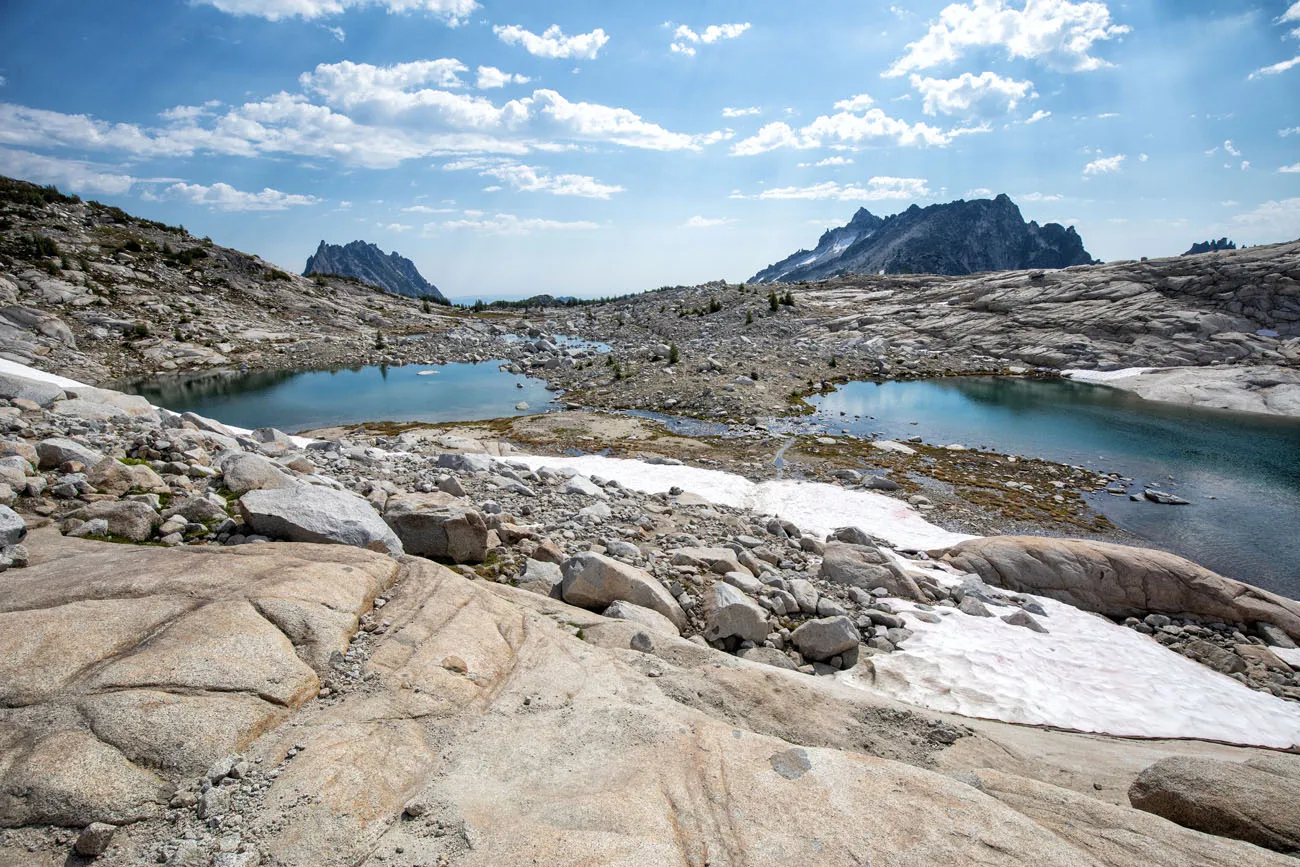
{"type": "Point", "coordinates": [1227, 799]}
{"type": "Point", "coordinates": [1119, 581]}
{"type": "Point", "coordinates": [957, 238]}
{"type": "Point", "coordinates": [367, 263]}
{"type": "Point", "coordinates": [1210, 247]}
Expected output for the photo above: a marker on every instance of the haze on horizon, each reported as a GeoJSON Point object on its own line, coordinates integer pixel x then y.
{"type": "Point", "coordinates": [579, 149]}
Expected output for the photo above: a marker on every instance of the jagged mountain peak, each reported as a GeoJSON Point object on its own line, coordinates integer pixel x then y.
{"type": "Point", "coordinates": [366, 262]}
{"type": "Point", "coordinates": [961, 237]}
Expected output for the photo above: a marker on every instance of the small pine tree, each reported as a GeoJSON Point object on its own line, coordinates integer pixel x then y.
{"type": "Point", "coordinates": [788, 300]}
{"type": "Point", "coordinates": [479, 306]}
{"type": "Point", "coordinates": [833, 362]}
{"type": "Point", "coordinates": [424, 306]}
{"type": "Point", "coordinates": [773, 303]}
{"type": "Point", "coordinates": [673, 354]}
{"type": "Point", "coordinates": [379, 339]}
{"type": "Point", "coordinates": [749, 317]}
{"type": "Point", "coordinates": [714, 305]}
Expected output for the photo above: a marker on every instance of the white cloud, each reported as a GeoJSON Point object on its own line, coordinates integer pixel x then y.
{"type": "Point", "coordinates": [359, 114]}
{"type": "Point", "coordinates": [1292, 169]}
{"type": "Point", "coordinates": [829, 161]}
{"type": "Point", "coordinates": [1227, 146]}
{"type": "Point", "coordinates": [508, 224]}
{"type": "Point", "coordinates": [741, 112]}
{"type": "Point", "coordinates": [861, 102]}
{"type": "Point", "coordinates": [986, 93]}
{"type": "Point", "coordinates": [698, 222]}
{"type": "Point", "coordinates": [876, 189]}
{"type": "Point", "coordinates": [1037, 116]}
{"type": "Point", "coordinates": [75, 175]}
{"type": "Point", "coordinates": [338, 33]}
{"type": "Point", "coordinates": [553, 43]}
{"type": "Point", "coordinates": [684, 38]}
{"type": "Point", "coordinates": [1295, 130]}
{"type": "Point", "coordinates": [530, 179]}
{"type": "Point", "coordinates": [224, 197]}
{"type": "Point", "coordinates": [1274, 220]}
{"type": "Point", "coordinates": [453, 12]}
{"type": "Point", "coordinates": [425, 209]}
{"type": "Point", "coordinates": [978, 193]}
{"type": "Point", "coordinates": [394, 227]}
{"type": "Point", "coordinates": [1245, 164]}
{"type": "Point", "coordinates": [1104, 165]}
{"type": "Point", "coordinates": [1041, 197]}
{"type": "Point", "coordinates": [490, 77]}
{"type": "Point", "coordinates": [1143, 158]}
{"type": "Point", "coordinates": [847, 127]}
{"type": "Point", "coordinates": [1059, 33]}
{"type": "Point", "coordinates": [1276, 68]}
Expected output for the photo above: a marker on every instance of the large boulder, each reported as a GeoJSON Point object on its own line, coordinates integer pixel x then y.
{"type": "Point", "coordinates": [12, 527]}
{"type": "Point", "coordinates": [129, 405]}
{"type": "Point", "coordinates": [127, 519]}
{"type": "Point", "coordinates": [719, 560]}
{"type": "Point", "coordinates": [826, 637]}
{"type": "Point", "coordinates": [1223, 798]}
{"type": "Point", "coordinates": [14, 387]}
{"type": "Point", "coordinates": [594, 581]}
{"type": "Point", "coordinates": [243, 472]}
{"type": "Point", "coordinates": [55, 450]}
{"type": "Point", "coordinates": [730, 613]}
{"type": "Point", "coordinates": [1119, 581]}
{"type": "Point", "coordinates": [438, 525]}
{"type": "Point", "coordinates": [312, 513]}
{"type": "Point", "coordinates": [111, 476]}
{"type": "Point", "coordinates": [866, 567]}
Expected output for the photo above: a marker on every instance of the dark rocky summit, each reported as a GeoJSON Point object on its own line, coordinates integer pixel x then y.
{"type": "Point", "coordinates": [957, 238]}
{"type": "Point", "coordinates": [1211, 247]}
{"type": "Point", "coordinates": [367, 263]}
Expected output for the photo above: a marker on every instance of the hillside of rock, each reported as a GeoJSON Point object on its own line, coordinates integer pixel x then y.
{"type": "Point", "coordinates": [957, 238]}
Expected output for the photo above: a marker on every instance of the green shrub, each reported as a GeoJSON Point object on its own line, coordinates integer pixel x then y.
{"type": "Point", "coordinates": [673, 355]}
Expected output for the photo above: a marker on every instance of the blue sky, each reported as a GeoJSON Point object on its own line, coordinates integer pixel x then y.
{"type": "Point", "coordinates": [598, 147]}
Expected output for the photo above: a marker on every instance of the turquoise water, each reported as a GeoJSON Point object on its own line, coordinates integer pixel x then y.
{"type": "Point", "coordinates": [294, 401]}
{"type": "Point", "coordinates": [1249, 464]}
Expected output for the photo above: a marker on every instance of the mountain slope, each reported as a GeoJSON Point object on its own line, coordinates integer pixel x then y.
{"type": "Point", "coordinates": [957, 238]}
{"type": "Point", "coordinates": [367, 263]}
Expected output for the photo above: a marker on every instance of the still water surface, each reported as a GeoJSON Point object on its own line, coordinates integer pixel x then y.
{"type": "Point", "coordinates": [294, 401]}
{"type": "Point", "coordinates": [1249, 463]}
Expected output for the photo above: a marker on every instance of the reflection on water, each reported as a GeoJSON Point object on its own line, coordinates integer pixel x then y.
{"type": "Point", "coordinates": [1249, 464]}
{"type": "Point", "coordinates": [296, 401]}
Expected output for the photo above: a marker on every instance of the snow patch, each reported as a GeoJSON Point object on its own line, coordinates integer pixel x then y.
{"type": "Point", "coordinates": [1101, 377]}
{"type": "Point", "coordinates": [1087, 674]}
{"type": "Point", "coordinates": [813, 506]}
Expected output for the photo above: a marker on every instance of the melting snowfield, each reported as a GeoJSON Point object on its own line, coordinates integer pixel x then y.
{"type": "Point", "coordinates": [1087, 674]}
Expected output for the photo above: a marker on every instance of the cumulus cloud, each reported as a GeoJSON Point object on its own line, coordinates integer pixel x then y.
{"type": "Point", "coordinates": [1227, 146]}
{"type": "Point", "coordinates": [698, 222]}
{"type": "Point", "coordinates": [553, 43]}
{"type": "Point", "coordinates": [508, 224]}
{"type": "Point", "coordinates": [224, 197]}
{"type": "Point", "coordinates": [531, 179]}
{"type": "Point", "coordinates": [1037, 116]}
{"type": "Point", "coordinates": [1292, 169]}
{"type": "Point", "coordinates": [986, 93]}
{"type": "Point", "coordinates": [851, 126]}
{"type": "Point", "coordinates": [394, 227]}
{"type": "Point", "coordinates": [829, 161]}
{"type": "Point", "coordinates": [1273, 220]}
{"type": "Point", "coordinates": [861, 102]}
{"type": "Point", "coordinates": [452, 12]}
{"type": "Point", "coordinates": [76, 175]}
{"type": "Point", "coordinates": [685, 39]}
{"type": "Point", "coordinates": [876, 189]}
{"type": "Point", "coordinates": [1104, 165]}
{"type": "Point", "coordinates": [360, 114]}
{"type": "Point", "coordinates": [490, 77]}
{"type": "Point", "coordinates": [740, 112]}
{"type": "Point", "coordinates": [1058, 33]}
{"type": "Point", "coordinates": [978, 193]}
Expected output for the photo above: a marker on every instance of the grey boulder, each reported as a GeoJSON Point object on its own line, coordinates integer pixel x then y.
{"type": "Point", "coordinates": [242, 472]}
{"type": "Point", "coordinates": [824, 638]}
{"type": "Point", "coordinates": [126, 519]}
{"type": "Point", "coordinates": [311, 513]}
{"type": "Point", "coordinates": [13, 387]}
{"type": "Point", "coordinates": [56, 450]}
{"type": "Point", "coordinates": [438, 525]}
{"type": "Point", "coordinates": [866, 567]}
{"type": "Point", "coordinates": [594, 581]}
{"type": "Point", "coordinates": [647, 617]}
{"type": "Point", "coordinates": [729, 613]}
{"type": "Point", "coordinates": [13, 528]}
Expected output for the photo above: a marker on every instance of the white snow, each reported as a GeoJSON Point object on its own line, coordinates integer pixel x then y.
{"type": "Point", "coordinates": [1101, 377]}
{"type": "Point", "coordinates": [1289, 655]}
{"type": "Point", "coordinates": [1087, 674]}
{"type": "Point", "coordinates": [813, 506]}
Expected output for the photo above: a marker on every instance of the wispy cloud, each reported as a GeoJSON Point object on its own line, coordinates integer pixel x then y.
{"type": "Point", "coordinates": [698, 222]}
{"type": "Point", "coordinates": [875, 189]}
{"type": "Point", "coordinates": [223, 197]}
{"type": "Point", "coordinates": [509, 224]}
{"type": "Point", "coordinates": [452, 12]}
{"type": "Point", "coordinates": [685, 39]}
